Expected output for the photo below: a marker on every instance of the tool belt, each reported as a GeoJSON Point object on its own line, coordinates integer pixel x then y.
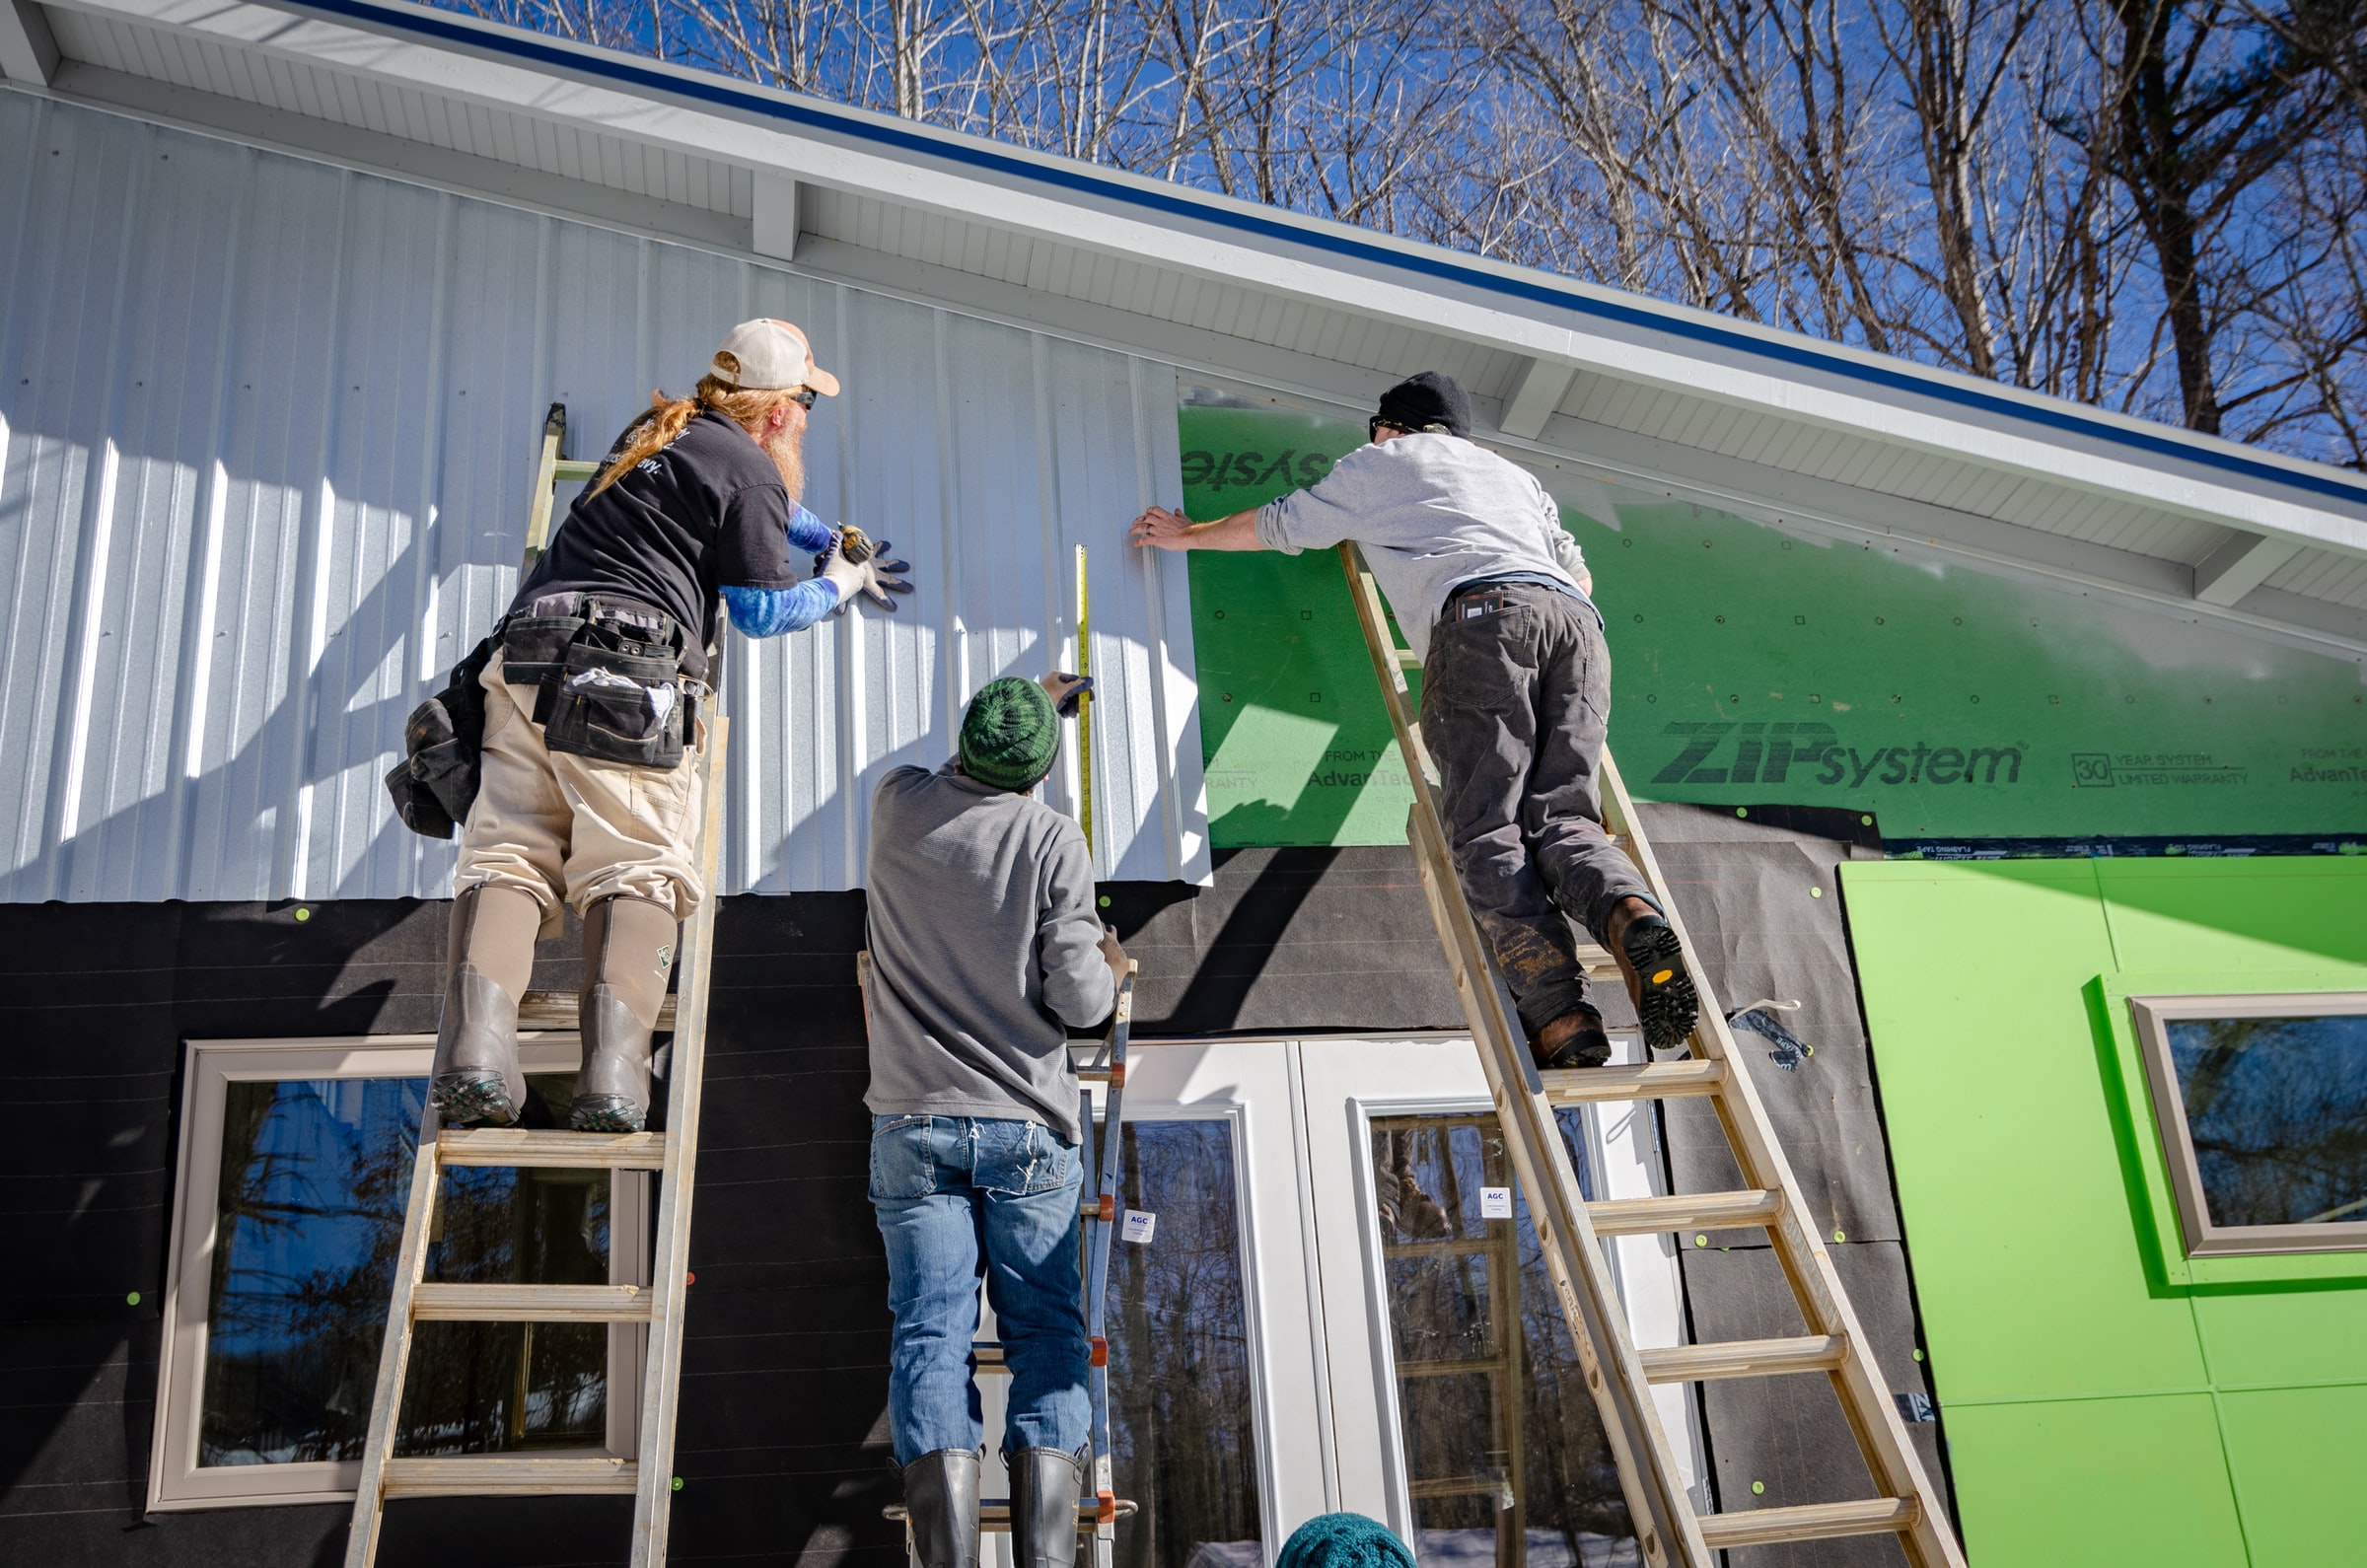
{"type": "Point", "coordinates": [606, 674]}
{"type": "Point", "coordinates": [435, 783]}
{"type": "Point", "coordinates": [608, 677]}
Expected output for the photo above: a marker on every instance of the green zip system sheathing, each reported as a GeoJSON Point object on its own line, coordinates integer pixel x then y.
{"type": "Point", "coordinates": [2104, 1399]}
{"type": "Point", "coordinates": [1760, 662]}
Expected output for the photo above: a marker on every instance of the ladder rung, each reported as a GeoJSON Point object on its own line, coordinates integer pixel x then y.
{"type": "Point", "coordinates": [1407, 659]}
{"type": "Point", "coordinates": [995, 1513]}
{"type": "Point", "coordinates": [566, 472]}
{"type": "Point", "coordinates": [1586, 1085]}
{"type": "Point", "coordinates": [507, 1474]}
{"type": "Point", "coordinates": [1692, 1211]}
{"type": "Point", "coordinates": [551, 1150]}
{"type": "Point", "coordinates": [1744, 1358]}
{"type": "Point", "coordinates": [558, 1010]}
{"type": "Point", "coordinates": [533, 1304]}
{"type": "Point", "coordinates": [1760, 1527]}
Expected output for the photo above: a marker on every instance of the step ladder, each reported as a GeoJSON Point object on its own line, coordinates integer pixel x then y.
{"type": "Point", "coordinates": [654, 1308]}
{"type": "Point", "coordinates": [1669, 1529]}
{"type": "Point", "coordinates": [1097, 1219]}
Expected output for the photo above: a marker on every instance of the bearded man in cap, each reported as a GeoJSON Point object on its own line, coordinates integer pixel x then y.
{"type": "Point", "coordinates": [1492, 591]}
{"type": "Point", "coordinates": [984, 942]}
{"type": "Point", "coordinates": [589, 793]}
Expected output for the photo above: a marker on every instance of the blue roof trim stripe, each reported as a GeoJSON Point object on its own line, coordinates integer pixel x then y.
{"type": "Point", "coordinates": [725, 92]}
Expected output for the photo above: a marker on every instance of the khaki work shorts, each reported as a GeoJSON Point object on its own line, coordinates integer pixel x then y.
{"type": "Point", "coordinates": [560, 826]}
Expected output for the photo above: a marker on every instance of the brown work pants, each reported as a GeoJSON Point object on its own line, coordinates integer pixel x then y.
{"type": "Point", "coordinates": [1515, 705]}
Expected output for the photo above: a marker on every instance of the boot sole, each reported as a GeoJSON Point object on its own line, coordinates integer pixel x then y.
{"type": "Point", "coordinates": [605, 1113]}
{"type": "Point", "coordinates": [1667, 1006]}
{"type": "Point", "coordinates": [474, 1098]}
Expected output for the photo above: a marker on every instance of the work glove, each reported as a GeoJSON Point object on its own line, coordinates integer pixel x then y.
{"type": "Point", "coordinates": [855, 565]}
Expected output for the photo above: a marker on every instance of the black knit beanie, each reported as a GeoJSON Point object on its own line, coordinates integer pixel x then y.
{"type": "Point", "coordinates": [1431, 399]}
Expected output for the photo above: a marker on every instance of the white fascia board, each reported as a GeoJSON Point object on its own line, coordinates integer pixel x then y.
{"type": "Point", "coordinates": [1103, 210]}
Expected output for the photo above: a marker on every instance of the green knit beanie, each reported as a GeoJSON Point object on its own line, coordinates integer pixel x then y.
{"type": "Point", "coordinates": [1010, 735]}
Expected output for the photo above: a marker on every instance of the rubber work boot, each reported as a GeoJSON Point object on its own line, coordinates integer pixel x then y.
{"type": "Point", "coordinates": [941, 1499]}
{"type": "Point", "coordinates": [490, 956]}
{"type": "Point", "coordinates": [1044, 1487]}
{"type": "Point", "coordinates": [1652, 962]}
{"type": "Point", "coordinates": [1575, 1039]}
{"type": "Point", "coordinates": [628, 951]}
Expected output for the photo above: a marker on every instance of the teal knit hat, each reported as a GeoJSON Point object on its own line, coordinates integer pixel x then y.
{"type": "Point", "coordinates": [1343, 1540]}
{"type": "Point", "coordinates": [1010, 733]}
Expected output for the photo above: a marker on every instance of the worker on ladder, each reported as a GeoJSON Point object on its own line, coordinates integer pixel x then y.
{"type": "Point", "coordinates": [1492, 591]}
{"type": "Point", "coordinates": [984, 941]}
{"type": "Point", "coordinates": [590, 789]}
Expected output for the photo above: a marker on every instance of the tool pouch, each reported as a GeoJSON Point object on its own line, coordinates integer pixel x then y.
{"type": "Point", "coordinates": [615, 706]}
{"type": "Point", "coordinates": [443, 743]}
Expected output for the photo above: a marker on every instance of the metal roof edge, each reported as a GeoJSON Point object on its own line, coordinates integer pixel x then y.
{"type": "Point", "coordinates": [1173, 201]}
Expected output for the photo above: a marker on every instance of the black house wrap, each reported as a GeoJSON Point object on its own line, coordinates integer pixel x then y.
{"type": "Point", "coordinates": [782, 1446]}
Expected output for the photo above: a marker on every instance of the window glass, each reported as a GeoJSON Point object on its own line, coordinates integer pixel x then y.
{"type": "Point", "coordinates": [309, 1220]}
{"type": "Point", "coordinates": [1183, 1424]}
{"type": "Point", "coordinates": [1505, 1457]}
{"type": "Point", "coordinates": [2277, 1108]}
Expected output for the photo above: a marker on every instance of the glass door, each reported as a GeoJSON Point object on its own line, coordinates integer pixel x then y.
{"type": "Point", "coordinates": [1460, 1413]}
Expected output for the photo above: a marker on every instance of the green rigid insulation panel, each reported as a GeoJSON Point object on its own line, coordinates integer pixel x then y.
{"type": "Point", "coordinates": [2105, 1400]}
{"type": "Point", "coordinates": [1757, 661]}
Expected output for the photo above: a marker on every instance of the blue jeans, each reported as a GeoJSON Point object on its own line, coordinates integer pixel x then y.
{"type": "Point", "coordinates": [958, 1198]}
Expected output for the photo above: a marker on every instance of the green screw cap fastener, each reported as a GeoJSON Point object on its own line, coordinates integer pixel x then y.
{"type": "Point", "coordinates": [678, 1483]}
{"type": "Point", "coordinates": [1918, 1355]}
{"type": "Point", "coordinates": [132, 1300]}
{"type": "Point", "coordinates": [1758, 1488]}
{"type": "Point", "coordinates": [303, 914]}
{"type": "Point", "coordinates": [1816, 892]}
{"type": "Point", "coordinates": [1105, 900]}
{"type": "Point", "coordinates": [1839, 1236]}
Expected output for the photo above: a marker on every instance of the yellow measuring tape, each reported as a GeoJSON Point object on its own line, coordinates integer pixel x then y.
{"type": "Point", "coordinates": [1084, 706]}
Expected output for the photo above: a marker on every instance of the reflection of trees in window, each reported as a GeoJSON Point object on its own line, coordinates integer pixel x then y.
{"type": "Point", "coordinates": [313, 1181]}
{"type": "Point", "coordinates": [1502, 1439]}
{"type": "Point", "coordinates": [1183, 1434]}
{"type": "Point", "coordinates": [2277, 1108]}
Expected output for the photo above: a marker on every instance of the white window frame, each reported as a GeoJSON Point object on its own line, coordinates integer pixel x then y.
{"type": "Point", "coordinates": [175, 1480]}
{"type": "Point", "coordinates": [2203, 1238]}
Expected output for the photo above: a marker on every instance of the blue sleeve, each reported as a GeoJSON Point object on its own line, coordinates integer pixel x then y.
{"type": "Point", "coordinates": [771, 611]}
{"type": "Point", "coordinates": [807, 532]}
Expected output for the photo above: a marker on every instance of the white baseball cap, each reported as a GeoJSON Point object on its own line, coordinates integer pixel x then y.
{"type": "Point", "coordinates": [766, 355]}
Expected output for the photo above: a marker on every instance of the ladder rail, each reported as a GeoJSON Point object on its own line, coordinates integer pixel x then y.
{"type": "Point", "coordinates": [1541, 1161]}
{"type": "Point", "coordinates": [394, 1349]}
{"type": "Point", "coordinates": [685, 1084]}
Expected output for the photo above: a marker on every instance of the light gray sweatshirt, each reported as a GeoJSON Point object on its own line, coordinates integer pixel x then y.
{"type": "Point", "coordinates": [984, 941]}
{"type": "Point", "coordinates": [1431, 511]}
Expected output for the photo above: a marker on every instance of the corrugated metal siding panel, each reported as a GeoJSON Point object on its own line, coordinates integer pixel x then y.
{"type": "Point", "coordinates": [347, 100]}
{"type": "Point", "coordinates": [265, 434]}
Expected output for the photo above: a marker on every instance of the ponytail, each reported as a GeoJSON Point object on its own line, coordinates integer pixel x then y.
{"type": "Point", "coordinates": [666, 417]}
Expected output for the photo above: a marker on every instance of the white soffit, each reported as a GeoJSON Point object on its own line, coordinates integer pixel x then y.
{"type": "Point", "coordinates": [1275, 300]}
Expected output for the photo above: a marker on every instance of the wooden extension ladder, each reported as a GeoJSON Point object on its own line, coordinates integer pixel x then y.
{"type": "Point", "coordinates": [656, 1309]}
{"type": "Point", "coordinates": [1668, 1527]}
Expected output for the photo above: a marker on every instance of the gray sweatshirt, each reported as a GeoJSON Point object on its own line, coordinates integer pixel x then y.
{"type": "Point", "coordinates": [1431, 511]}
{"type": "Point", "coordinates": [983, 940]}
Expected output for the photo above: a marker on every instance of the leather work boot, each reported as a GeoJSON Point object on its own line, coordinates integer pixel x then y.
{"type": "Point", "coordinates": [1046, 1484]}
{"type": "Point", "coordinates": [1652, 962]}
{"type": "Point", "coordinates": [1575, 1039]}
{"type": "Point", "coordinates": [628, 950]}
{"type": "Point", "coordinates": [490, 956]}
{"type": "Point", "coordinates": [941, 1501]}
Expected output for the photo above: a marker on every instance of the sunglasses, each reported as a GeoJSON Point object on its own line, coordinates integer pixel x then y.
{"type": "Point", "coordinates": [804, 396]}
{"type": "Point", "coordinates": [1375, 425]}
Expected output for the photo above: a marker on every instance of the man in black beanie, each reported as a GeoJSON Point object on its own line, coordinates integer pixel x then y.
{"type": "Point", "coordinates": [1516, 697]}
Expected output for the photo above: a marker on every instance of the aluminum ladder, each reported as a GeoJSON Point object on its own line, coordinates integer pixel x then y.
{"type": "Point", "coordinates": [1667, 1528]}
{"type": "Point", "coordinates": [672, 1154]}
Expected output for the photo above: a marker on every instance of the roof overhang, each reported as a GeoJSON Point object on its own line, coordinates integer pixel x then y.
{"type": "Point", "coordinates": [1611, 385]}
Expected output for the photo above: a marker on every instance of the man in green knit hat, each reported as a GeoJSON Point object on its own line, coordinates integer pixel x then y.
{"type": "Point", "coordinates": [984, 943]}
